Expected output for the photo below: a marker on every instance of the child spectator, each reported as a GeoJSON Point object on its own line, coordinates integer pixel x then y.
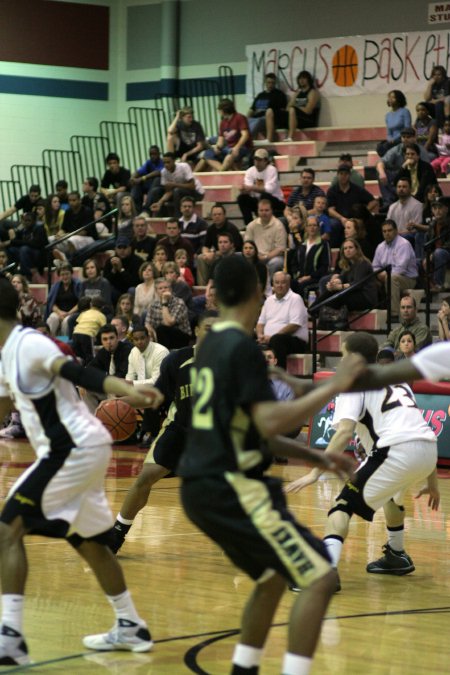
{"type": "Point", "coordinates": [440, 164]}
{"type": "Point", "coordinates": [181, 258]}
{"type": "Point", "coordinates": [89, 322]}
{"type": "Point", "coordinates": [319, 211]}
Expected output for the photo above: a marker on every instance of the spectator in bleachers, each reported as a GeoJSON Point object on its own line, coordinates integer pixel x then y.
{"type": "Point", "coordinates": [174, 240]}
{"type": "Point", "coordinates": [89, 321]}
{"type": "Point", "coordinates": [406, 211]}
{"type": "Point", "coordinates": [409, 321]}
{"type": "Point", "coordinates": [146, 177]}
{"type": "Point", "coordinates": [319, 212]}
{"type": "Point", "coordinates": [92, 198]}
{"type": "Point", "coordinates": [62, 190]}
{"type": "Point", "coordinates": [406, 345]}
{"type": "Point", "coordinates": [75, 217]}
{"type": "Point", "coordinates": [4, 262]}
{"type": "Point", "coordinates": [116, 178]}
{"type": "Point", "coordinates": [268, 110]}
{"type": "Point", "coordinates": [260, 182]}
{"type": "Point", "coordinates": [397, 252]}
{"type": "Point", "coordinates": [354, 267]}
{"type": "Point", "coordinates": [418, 170]}
{"type": "Point", "coordinates": [122, 269]}
{"type": "Point", "coordinates": [443, 317]}
{"type": "Point", "coordinates": [142, 243]}
{"type": "Point", "coordinates": [225, 247]}
{"type": "Point", "coordinates": [297, 218]}
{"type": "Point", "coordinates": [308, 262]}
{"type": "Point", "coordinates": [426, 129]}
{"type": "Point", "coordinates": [181, 258]}
{"type": "Point", "coordinates": [355, 177]}
{"type": "Point", "coordinates": [192, 226]}
{"type": "Point", "coordinates": [281, 390]}
{"type": "Point", "coordinates": [250, 251]}
{"type": "Point", "coordinates": [304, 104]}
{"type": "Point", "coordinates": [39, 212]}
{"type": "Point", "coordinates": [53, 217]}
{"type": "Point", "coordinates": [432, 192]}
{"type": "Point", "coordinates": [439, 237]}
{"type": "Point", "coordinates": [306, 192]}
{"type": "Point", "coordinates": [437, 94]}
{"type": "Point", "coordinates": [146, 290]}
{"type": "Point", "coordinates": [180, 288]}
{"type": "Point", "coordinates": [270, 236]}
{"type": "Point", "coordinates": [283, 322]}
{"type": "Point", "coordinates": [126, 214]}
{"type": "Point", "coordinates": [393, 161]}
{"type": "Point", "coordinates": [125, 307]}
{"type": "Point", "coordinates": [167, 318]}
{"type": "Point", "coordinates": [341, 198]}
{"type": "Point", "coordinates": [177, 181]}
{"type": "Point", "coordinates": [62, 300]}
{"type": "Point", "coordinates": [159, 259]}
{"type": "Point", "coordinates": [29, 313]}
{"type": "Point", "coordinates": [26, 203]}
{"type": "Point", "coordinates": [220, 224]}
{"type": "Point", "coordinates": [94, 285]}
{"type": "Point", "coordinates": [28, 246]}
{"type": "Point", "coordinates": [233, 142]}
{"type": "Point", "coordinates": [355, 228]}
{"type": "Point", "coordinates": [440, 164]}
{"type": "Point", "coordinates": [186, 137]}
{"type": "Point", "coordinates": [121, 324]}
{"type": "Point", "coordinates": [397, 119]}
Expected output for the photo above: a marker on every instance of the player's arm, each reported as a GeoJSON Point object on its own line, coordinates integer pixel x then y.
{"type": "Point", "coordinates": [299, 387]}
{"type": "Point", "coordinates": [322, 461]}
{"type": "Point", "coordinates": [336, 448]}
{"type": "Point", "coordinates": [377, 377]}
{"type": "Point", "coordinates": [144, 396]}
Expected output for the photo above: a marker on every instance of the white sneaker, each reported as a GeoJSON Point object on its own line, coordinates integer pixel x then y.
{"type": "Point", "coordinates": [125, 636]}
{"type": "Point", "coordinates": [13, 648]}
{"type": "Point", "coordinates": [13, 430]}
{"type": "Point", "coordinates": [288, 139]}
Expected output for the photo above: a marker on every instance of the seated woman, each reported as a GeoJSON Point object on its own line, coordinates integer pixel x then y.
{"type": "Point", "coordinates": [354, 228]}
{"type": "Point", "coordinates": [29, 313]}
{"type": "Point", "coordinates": [431, 193]}
{"type": "Point", "coordinates": [426, 129]}
{"type": "Point", "coordinates": [94, 285]}
{"type": "Point", "coordinates": [54, 216]}
{"type": "Point", "coordinates": [127, 211]}
{"type": "Point", "coordinates": [159, 259]}
{"type": "Point", "coordinates": [304, 104]}
{"type": "Point", "coordinates": [443, 317]}
{"type": "Point", "coordinates": [145, 291]}
{"type": "Point", "coordinates": [310, 261]}
{"type": "Point", "coordinates": [125, 307]}
{"type": "Point", "coordinates": [397, 118]}
{"type": "Point", "coordinates": [62, 300]}
{"type": "Point", "coordinates": [406, 345]}
{"type": "Point", "coordinates": [250, 251]}
{"type": "Point", "coordinates": [354, 266]}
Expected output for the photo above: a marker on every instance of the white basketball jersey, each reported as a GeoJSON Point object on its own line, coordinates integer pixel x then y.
{"type": "Point", "coordinates": [384, 417]}
{"type": "Point", "coordinates": [433, 363]}
{"type": "Point", "coordinates": [54, 418]}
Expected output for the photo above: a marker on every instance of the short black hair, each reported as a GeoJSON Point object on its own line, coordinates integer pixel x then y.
{"type": "Point", "coordinates": [405, 178]}
{"type": "Point", "coordinates": [363, 343]}
{"type": "Point", "coordinates": [107, 328]}
{"type": "Point", "coordinates": [34, 188]}
{"type": "Point", "coordinates": [112, 155]}
{"type": "Point", "coordinates": [413, 146]}
{"type": "Point", "coordinates": [309, 170]}
{"type": "Point", "coordinates": [9, 300]}
{"type": "Point", "coordinates": [391, 222]}
{"type": "Point", "coordinates": [62, 184]}
{"type": "Point", "coordinates": [84, 303]}
{"type": "Point", "coordinates": [139, 329]}
{"type": "Point", "coordinates": [93, 182]}
{"type": "Point", "coordinates": [235, 280]}
{"type": "Point", "coordinates": [172, 155]}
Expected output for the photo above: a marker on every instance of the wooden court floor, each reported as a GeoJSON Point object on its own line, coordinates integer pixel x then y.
{"type": "Point", "coordinates": [192, 597]}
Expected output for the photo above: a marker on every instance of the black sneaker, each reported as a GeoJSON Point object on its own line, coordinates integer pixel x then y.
{"type": "Point", "coordinates": [392, 562]}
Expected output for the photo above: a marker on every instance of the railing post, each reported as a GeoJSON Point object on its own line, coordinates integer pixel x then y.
{"type": "Point", "coordinates": [314, 343]}
{"type": "Point", "coordinates": [427, 286]}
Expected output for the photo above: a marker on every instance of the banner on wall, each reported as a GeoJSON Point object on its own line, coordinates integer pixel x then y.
{"type": "Point", "coordinates": [348, 66]}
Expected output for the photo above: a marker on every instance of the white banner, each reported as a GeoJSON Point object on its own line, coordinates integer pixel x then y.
{"type": "Point", "coordinates": [349, 66]}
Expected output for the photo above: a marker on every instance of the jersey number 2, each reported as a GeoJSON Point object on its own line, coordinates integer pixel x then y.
{"type": "Point", "coordinates": [202, 388]}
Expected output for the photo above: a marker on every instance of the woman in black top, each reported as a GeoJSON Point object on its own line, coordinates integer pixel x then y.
{"type": "Point", "coordinates": [250, 251]}
{"type": "Point", "coordinates": [304, 104]}
{"type": "Point", "coordinates": [308, 262]}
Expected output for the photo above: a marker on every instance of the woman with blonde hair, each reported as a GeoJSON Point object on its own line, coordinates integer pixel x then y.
{"type": "Point", "coordinates": [145, 291]}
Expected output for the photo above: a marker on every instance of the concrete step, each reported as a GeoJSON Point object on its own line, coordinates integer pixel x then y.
{"type": "Point", "coordinates": [293, 148]}
{"type": "Point", "coordinates": [333, 342]}
{"type": "Point", "coordinates": [299, 364]}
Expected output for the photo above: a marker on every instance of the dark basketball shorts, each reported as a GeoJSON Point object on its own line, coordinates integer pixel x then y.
{"type": "Point", "coordinates": [249, 519]}
{"type": "Point", "coordinates": [167, 447]}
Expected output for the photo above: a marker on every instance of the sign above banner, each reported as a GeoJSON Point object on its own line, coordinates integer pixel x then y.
{"type": "Point", "coordinates": [438, 12]}
{"type": "Point", "coordinates": [348, 66]}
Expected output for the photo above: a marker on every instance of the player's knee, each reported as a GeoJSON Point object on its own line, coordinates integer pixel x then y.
{"type": "Point", "coordinates": [343, 507]}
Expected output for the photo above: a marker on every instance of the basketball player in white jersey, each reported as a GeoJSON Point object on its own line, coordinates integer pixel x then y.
{"type": "Point", "coordinates": [62, 493]}
{"type": "Point", "coordinates": [402, 450]}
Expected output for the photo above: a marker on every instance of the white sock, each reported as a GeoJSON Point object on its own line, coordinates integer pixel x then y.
{"type": "Point", "coordinates": [293, 664]}
{"type": "Point", "coordinates": [334, 548]}
{"type": "Point", "coordinates": [12, 611]}
{"type": "Point", "coordinates": [123, 520]}
{"type": "Point", "coordinates": [396, 539]}
{"type": "Point", "coordinates": [124, 608]}
{"type": "Point", "coordinates": [246, 656]}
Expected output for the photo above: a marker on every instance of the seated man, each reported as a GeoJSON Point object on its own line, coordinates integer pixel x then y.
{"type": "Point", "coordinates": [177, 181]}
{"type": "Point", "coordinates": [146, 177]}
{"type": "Point", "coordinates": [439, 247]}
{"type": "Point", "coordinates": [92, 198]}
{"type": "Point", "coordinates": [174, 240]}
{"type": "Point", "coordinates": [260, 182]}
{"type": "Point", "coordinates": [219, 225]}
{"type": "Point", "coordinates": [355, 176]}
{"type": "Point", "coordinates": [142, 243]}
{"type": "Point", "coordinates": [26, 203]}
{"type": "Point", "coordinates": [167, 319]}
{"type": "Point", "coordinates": [116, 178]}
{"type": "Point", "coordinates": [411, 322]}
{"type": "Point", "coordinates": [283, 322]}
{"type": "Point", "coordinates": [122, 269]}
{"type": "Point", "coordinates": [268, 110]}
{"type": "Point", "coordinates": [62, 192]}
{"type": "Point", "coordinates": [419, 171]}
{"type": "Point", "coordinates": [437, 94]}
{"type": "Point", "coordinates": [233, 142]}
{"type": "Point", "coordinates": [192, 226]}
{"type": "Point", "coordinates": [306, 193]}
{"type": "Point", "coordinates": [341, 199]}
{"type": "Point", "coordinates": [225, 247]}
{"type": "Point", "coordinates": [399, 253]}
{"type": "Point", "coordinates": [75, 217]}
{"type": "Point", "coordinates": [269, 235]}
{"type": "Point", "coordinates": [28, 246]}
{"type": "Point", "coordinates": [186, 137]}
{"type": "Point", "coordinates": [406, 211]}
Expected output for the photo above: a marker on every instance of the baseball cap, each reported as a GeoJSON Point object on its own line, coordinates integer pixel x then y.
{"type": "Point", "coordinates": [261, 154]}
{"type": "Point", "coordinates": [443, 201]}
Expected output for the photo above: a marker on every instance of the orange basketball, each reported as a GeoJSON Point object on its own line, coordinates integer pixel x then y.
{"type": "Point", "coordinates": [345, 66]}
{"type": "Point", "coordinates": [118, 417]}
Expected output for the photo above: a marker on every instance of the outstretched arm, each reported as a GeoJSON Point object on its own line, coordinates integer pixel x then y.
{"type": "Point", "coordinates": [329, 461]}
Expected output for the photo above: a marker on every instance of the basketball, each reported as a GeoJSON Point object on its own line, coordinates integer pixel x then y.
{"type": "Point", "coordinates": [345, 66]}
{"type": "Point", "coordinates": [118, 417]}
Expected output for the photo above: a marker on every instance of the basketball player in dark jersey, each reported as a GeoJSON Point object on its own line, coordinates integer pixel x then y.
{"type": "Point", "coordinates": [233, 436]}
{"type": "Point", "coordinates": [165, 452]}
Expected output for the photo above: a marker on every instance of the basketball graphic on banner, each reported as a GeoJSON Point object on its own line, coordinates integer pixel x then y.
{"type": "Point", "coordinates": [345, 66]}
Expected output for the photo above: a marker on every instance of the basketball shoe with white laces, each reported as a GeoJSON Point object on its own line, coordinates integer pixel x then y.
{"type": "Point", "coordinates": [124, 636]}
{"type": "Point", "coordinates": [392, 562]}
{"type": "Point", "coordinates": [13, 648]}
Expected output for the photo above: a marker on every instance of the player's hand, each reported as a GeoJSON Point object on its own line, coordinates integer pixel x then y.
{"type": "Point", "coordinates": [342, 465]}
{"type": "Point", "coordinates": [301, 483]}
{"type": "Point", "coordinates": [145, 396]}
{"type": "Point", "coordinates": [349, 369]}
{"type": "Point", "coordinates": [434, 496]}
